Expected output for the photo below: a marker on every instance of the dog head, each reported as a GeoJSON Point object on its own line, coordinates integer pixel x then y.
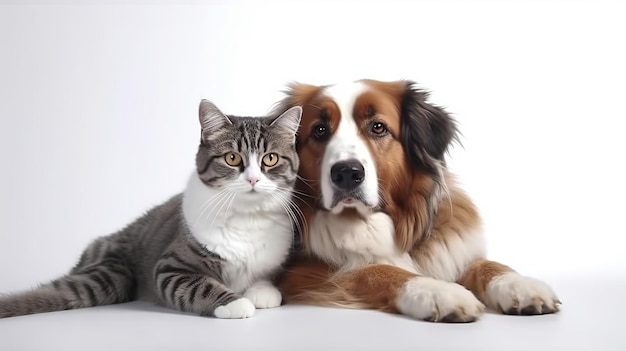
{"type": "Point", "coordinates": [371, 146]}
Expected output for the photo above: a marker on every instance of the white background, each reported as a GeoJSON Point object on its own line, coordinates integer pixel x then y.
{"type": "Point", "coordinates": [98, 107]}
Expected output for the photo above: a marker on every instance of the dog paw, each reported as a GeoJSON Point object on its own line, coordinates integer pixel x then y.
{"type": "Point", "coordinates": [264, 295]}
{"type": "Point", "coordinates": [240, 308]}
{"type": "Point", "coordinates": [512, 293]}
{"type": "Point", "coordinates": [438, 301]}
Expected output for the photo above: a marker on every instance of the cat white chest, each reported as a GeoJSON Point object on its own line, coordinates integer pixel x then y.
{"type": "Point", "coordinates": [253, 242]}
{"type": "Point", "coordinates": [253, 246]}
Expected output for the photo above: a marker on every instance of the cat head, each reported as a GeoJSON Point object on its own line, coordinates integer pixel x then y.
{"type": "Point", "coordinates": [252, 156]}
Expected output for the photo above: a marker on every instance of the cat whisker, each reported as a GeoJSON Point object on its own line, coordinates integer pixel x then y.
{"type": "Point", "coordinates": [293, 211]}
{"type": "Point", "coordinates": [230, 203]}
{"type": "Point", "coordinates": [303, 194]}
{"type": "Point", "coordinates": [207, 204]}
{"type": "Point", "coordinates": [293, 205]}
{"type": "Point", "coordinates": [295, 196]}
{"type": "Point", "coordinates": [223, 202]}
{"type": "Point", "coordinates": [212, 198]}
{"type": "Point", "coordinates": [307, 182]}
{"type": "Point", "coordinates": [305, 179]}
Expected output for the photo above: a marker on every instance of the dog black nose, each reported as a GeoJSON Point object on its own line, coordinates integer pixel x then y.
{"type": "Point", "coordinates": [347, 175]}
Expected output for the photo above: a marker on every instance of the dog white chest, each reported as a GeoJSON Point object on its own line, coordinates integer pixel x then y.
{"type": "Point", "coordinates": [350, 242]}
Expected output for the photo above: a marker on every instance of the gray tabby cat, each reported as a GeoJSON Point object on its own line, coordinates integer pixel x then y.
{"type": "Point", "coordinates": [211, 250]}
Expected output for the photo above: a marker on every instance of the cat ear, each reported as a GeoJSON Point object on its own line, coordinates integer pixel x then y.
{"type": "Point", "coordinates": [211, 119]}
{"type": "Point", "coordinates": [289, 121]}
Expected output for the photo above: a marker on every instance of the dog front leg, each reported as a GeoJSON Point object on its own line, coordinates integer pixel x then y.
{"type": "Point", "coordinates": [504, 290]}
{"type": "Point", "coordinates": [381, 287]}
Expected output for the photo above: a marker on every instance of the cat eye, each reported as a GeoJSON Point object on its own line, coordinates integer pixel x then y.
{"type": "Point", "coordinates": [270, 159]}
{"type": "Point", "coordinates": [233, 159]}
{"type": "Point", "coordinates": [379, 129]}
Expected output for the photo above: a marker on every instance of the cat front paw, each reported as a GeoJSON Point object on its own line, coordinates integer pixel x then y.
{"type": "Point", "coordinates": [240, 308]}
{"type": "Point", "coordinates": [512, 293]}
{"type": "Point", "coordinates": [264, 295]}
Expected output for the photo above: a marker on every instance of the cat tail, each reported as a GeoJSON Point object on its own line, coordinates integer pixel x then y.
{"type": "Point", "coordinates": [100, 278]}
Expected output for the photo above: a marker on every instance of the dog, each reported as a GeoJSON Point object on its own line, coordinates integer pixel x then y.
{"type": "Point", "coordinates": [383, 224]}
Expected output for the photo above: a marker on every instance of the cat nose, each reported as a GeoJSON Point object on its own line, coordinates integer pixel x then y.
{"type": "Point", "coordinates": [253, 180]}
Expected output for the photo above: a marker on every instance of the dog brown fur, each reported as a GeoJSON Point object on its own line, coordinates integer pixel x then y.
{"type": "Point", "coordinates": [430, 212]}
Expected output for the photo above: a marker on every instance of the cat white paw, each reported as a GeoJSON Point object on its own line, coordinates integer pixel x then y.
{"type": "Point", "coordinates": [438, 301]}
{"type": "Point", "coordinates": [240, 308]}
{"type": "Point", "coordinates": [512, 293]}
{"type": "Point", "coordinates": [264, 295]}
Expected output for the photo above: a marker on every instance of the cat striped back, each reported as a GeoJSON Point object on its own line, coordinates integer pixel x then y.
{"type": "Point", "coordinates": [183, 252]}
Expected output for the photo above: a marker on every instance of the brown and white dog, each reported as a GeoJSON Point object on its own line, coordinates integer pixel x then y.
{"type": "Point", "coordinates": [385, 227]}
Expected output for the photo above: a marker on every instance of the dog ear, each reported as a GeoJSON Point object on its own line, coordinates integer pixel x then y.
{"type": "Point", "coordinates": [296, 94]}
{"type": "Point", "coordinates": [427, 130]}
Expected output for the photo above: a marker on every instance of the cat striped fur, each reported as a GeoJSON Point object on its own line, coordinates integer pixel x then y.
{"type": "Point", "coordinates": [194, 253]}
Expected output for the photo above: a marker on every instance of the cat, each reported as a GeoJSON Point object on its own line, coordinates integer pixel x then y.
{"type": "Point", "coordinates": [211, 250]}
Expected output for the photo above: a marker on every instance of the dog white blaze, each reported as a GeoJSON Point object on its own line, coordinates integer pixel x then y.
{"type": "Point", "coordinates": [345, 144]}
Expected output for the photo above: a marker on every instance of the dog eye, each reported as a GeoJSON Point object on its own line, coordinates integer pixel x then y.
{"type": "Point", "coordinates": [320, 132]}
{"type": "Point", "coordinates": [378, 128]}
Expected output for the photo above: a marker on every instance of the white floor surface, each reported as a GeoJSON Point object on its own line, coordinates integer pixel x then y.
{"type": "Point", "coordinates": [590, 319]}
